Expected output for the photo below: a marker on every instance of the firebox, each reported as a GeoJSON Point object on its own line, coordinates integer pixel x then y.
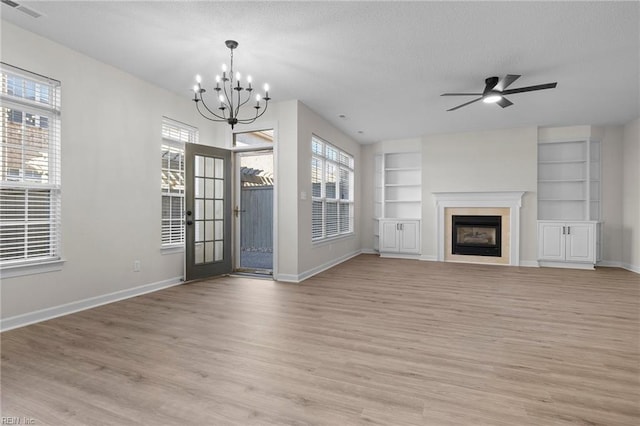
{"type": "Point", "coordinates": [476, 235]}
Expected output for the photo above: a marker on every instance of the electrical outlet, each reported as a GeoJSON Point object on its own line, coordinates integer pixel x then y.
{"type": "Point", "coordinates": [136, 266]}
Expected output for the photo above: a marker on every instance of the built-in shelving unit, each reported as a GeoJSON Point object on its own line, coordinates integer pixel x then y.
{"type": "Point", "coordinates": [569, 195]}
{"type": "Point", "coordinates": [397, 196]}
{"type": "Point", "coordinates": [402, 185]}
{"type": "Point", "coordinates": [569, 180]}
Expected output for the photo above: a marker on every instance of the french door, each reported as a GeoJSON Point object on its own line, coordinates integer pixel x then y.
{"type": "Point", "coordinates": [207, 211]}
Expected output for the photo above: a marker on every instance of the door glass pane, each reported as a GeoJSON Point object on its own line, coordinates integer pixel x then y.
{"type": "Point", "coordinates": [208, 167]}
{"type": "Point", "coordinates": [208, 230]}
{"type": "Point", "coordinates": [219, 172]}
{"type": "Point", "coordinates": [208, 252]}
{"type": "Point", "coordinates": [208, 209]}
{"type": "Point", "coordinates": [219, 230]}
{"type": "Point", "coordinates": [199, 187]}
{"type": "Point", "coordinates": [199, 214]}
{"type": "Point", "coordinates": [208, 187]}
{"type": "Point", "coordinates": [219, 209]}
{"type": "Point", "coordinates": [219, 250]}
{"type": "Point", "coordinates": [199, 230]}
{"type": "Point", "coordinates": [199, 169]}
{"type": "Point", "coordinates": [219, 188]}
{"type": "Point", "coordinates": [199, 253]}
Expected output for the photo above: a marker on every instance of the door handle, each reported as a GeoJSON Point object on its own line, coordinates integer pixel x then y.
{"type": "Point", "coordinates": [237, 211]}
{"type": "Point", "coordinates": [189, 222]}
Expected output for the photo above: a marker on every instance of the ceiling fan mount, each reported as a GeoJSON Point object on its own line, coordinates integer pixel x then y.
{"type": "Point", "coordinates": [496, 88]}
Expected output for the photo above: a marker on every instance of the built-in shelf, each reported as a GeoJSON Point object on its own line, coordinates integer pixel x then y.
{"type": "Point", "coordinates": [398, 192]}
{"type": "Point", "coordinates": [569, 180]}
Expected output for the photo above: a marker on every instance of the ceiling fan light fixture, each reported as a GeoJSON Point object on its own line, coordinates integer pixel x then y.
{"type": "Point", "coordinates": [491, 98]}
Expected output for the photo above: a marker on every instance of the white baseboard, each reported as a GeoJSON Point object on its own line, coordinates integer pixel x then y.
{"type": "Point", "coordinates": [632, 268]}
{"type": "Point", "coordinates": [529, 264]}
{"type": "Point", "coordinates": [368, 251]}
{"type": "Point", "coordinates": [68, 308]}
{"type": "Point", "coordinates": [401, 256]}
{"type": "Point", "coordinates": [570, 265]}
{"type": "Point", "coordinates": [292, 278]}
{"type": "Point", "coordinates": [429, 258]}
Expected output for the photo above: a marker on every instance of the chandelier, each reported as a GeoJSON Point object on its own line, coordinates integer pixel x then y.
{"type": "Point", "coordinates": [231, 96]}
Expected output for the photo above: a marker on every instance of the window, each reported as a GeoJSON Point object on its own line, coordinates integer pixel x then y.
{"type": "Point", "coordinates": [331, 191]}
{"type": "Point", "coordinates": [174, 136]}
{"type": "Point", "coordinates": [30, 196]}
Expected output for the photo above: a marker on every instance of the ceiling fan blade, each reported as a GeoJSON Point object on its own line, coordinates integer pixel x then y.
{"type": "Point", "coordinates": [461, 94]}
{"type": "Point", "coordinates": [506, 81]}
{"type": "Point", "coordinates": [465, 104]}
{"type": "Point", "coordinates": [504, 102]}
{"type": "Point", "coordinates": [490, 83]}
{"type": "Point", "coordinates": [529, 88]}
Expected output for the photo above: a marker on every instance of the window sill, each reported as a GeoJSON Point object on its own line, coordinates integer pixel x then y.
{"type": "Point", "coordinates": [326, 241]}
{"type": "Point", "coordinates": [172, 249]}
{"type": "Point", "coordinates": [31, 269]}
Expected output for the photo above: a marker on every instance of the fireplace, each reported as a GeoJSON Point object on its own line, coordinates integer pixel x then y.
{"type": "Point", "coordinates": [476, 235]}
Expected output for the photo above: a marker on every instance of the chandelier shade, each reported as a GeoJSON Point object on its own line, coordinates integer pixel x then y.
{"type": "Point", "coordinates": [230, 96]}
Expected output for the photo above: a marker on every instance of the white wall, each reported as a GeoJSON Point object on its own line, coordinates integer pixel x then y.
{"type": "Point", "coordinates": [631, 197]}
{"type": "Point", "coordinates": [611, 138]}
{"type": "Point", "coordinates": [111, 134]}
{"type": "Point", "coordinates": [314, 257]}
{"type": "Point", "coordinates": [499, 160]}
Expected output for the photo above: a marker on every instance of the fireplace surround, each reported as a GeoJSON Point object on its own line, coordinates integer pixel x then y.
{"type": "Point", "coordinates": [506, 204]}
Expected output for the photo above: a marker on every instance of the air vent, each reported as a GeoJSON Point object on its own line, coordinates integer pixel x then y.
{"type": "Point", "coordinates": [29, 11]}
{"type": "Point", "coordinates": [23, 9]}
{"type": "Point", "coordinates": [10, 3]}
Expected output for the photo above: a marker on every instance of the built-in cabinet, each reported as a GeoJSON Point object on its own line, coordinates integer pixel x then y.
{"type": "Point", "coordinates": [570, 243]}
{"type": "Point", "coordinates": [569, 194]}
{"type": "Point", "coordinates": [400, 236]}
{"type": "Point", "coordinates": [397, 202]}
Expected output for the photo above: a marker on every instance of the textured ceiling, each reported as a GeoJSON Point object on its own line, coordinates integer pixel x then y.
{"type": "Point", "coordinates": [381, 64]}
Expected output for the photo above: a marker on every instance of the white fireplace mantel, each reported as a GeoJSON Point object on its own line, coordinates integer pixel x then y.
{"type": "Point", "coordinates": [505, 199]}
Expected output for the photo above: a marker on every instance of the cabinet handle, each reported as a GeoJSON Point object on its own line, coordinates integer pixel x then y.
{"type": "Point", "coordinates": [564, 230]}
{"type": "Point", "coordinates": [568, 230]}
{"type": "Point", "coordinates": [402, 226]}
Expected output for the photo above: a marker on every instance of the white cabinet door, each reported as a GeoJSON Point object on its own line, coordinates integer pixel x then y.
{"type": "Point", "coordinates": [410, 237]}
{"type": "Point", "coordinates": [551, 241]}
{"type": "Point", "coordinates": [389, 236]}
{"type": "Point", "coordinates": [580, 242]}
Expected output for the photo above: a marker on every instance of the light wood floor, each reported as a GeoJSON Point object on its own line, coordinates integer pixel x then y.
{"type": "Point", "coordinates": [372, 341]}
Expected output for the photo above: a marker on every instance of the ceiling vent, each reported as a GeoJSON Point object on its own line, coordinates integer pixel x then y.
{"type": "Point", "coordinates": [21, 8]}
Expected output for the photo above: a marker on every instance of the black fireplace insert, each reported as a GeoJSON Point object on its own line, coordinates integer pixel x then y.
{"type": "Point", "coordinates": [476, 235]}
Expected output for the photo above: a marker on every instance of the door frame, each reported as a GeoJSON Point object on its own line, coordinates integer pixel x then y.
{"type": "Point", "coordinates": [237, 192]}
{"type": "Point", "coordinates": [236, 185]}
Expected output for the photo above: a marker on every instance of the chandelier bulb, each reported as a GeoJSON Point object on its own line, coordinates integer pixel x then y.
{"type": "Point", "coordinates": [221, 99]}
{"type": "Point", "coordinates": [224, 67]}
{"type": "Point", "coordinates": [249, 79]}
{"type": "Point", "coordinates": [238, 75]}
{"type": "Point", "coordinates": [196, 89]}
{"type": "Point", "coordinates": [266, 87]}
{"type": "Point", "coordinates": [217, 79]}
{"type": "Point", "coordinates": [198, 79]}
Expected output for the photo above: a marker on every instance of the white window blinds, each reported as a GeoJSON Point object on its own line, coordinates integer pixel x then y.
{"type": "Point", "coordinates": [332, 172]}
{"type": "Point", "coordinates": [174, 136]}
{"type": "Point", "coordinates": [30, 196]}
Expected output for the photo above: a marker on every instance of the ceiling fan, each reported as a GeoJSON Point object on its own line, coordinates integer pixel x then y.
{"type": "Point", "coordinates": [495, 89]}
